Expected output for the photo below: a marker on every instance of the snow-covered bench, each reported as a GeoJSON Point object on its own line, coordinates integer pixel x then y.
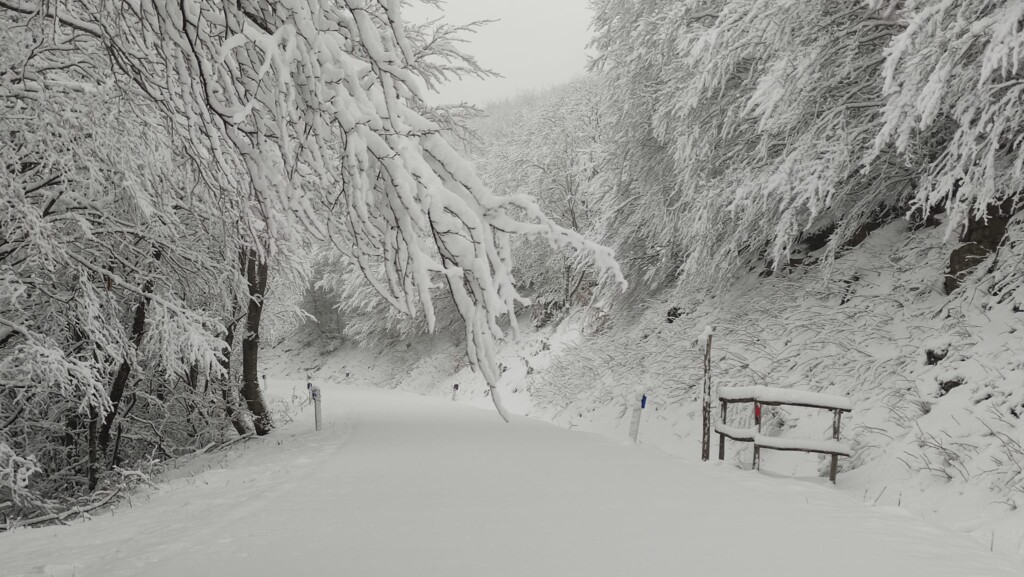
{"type": "Point", "coordinates": [770, 396]}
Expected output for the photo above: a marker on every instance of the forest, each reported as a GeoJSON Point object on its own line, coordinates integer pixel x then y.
{"type": "Point", "coordinates": [186, 184]}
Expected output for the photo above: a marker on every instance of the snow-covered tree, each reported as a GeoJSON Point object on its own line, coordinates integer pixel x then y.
{"type": "Point", "coordinates": [112, 267]}
{"type": "Point", "coordinates": [312, 116]}
{"type": "Point", "coordinates": [742, 125]}
{"type": "Point", "coordinates": [953, 85]}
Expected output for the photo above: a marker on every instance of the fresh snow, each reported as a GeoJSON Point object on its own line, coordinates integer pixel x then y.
{"type": "Point", "coordinates": [398, 484]}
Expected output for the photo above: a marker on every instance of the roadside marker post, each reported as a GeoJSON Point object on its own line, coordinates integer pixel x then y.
{"type": "Point", "coordinates": [315, 394]}
{"type": "Point", "coordinates": [634, 424]}
{"type": "Point", "coordinates": [309, 393]}
{"type": "Point", "coordinates": [455, 390]}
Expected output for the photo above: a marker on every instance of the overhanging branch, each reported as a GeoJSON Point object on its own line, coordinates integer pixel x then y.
{"type": "Point", "coordinates": [51, 12]}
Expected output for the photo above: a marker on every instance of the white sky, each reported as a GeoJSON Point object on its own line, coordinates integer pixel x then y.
{"type": "Point", "coordinates": [534, 44]}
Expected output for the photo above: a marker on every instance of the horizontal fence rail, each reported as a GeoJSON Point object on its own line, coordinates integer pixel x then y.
{"type": "Point", "coordinates": [770, 396]}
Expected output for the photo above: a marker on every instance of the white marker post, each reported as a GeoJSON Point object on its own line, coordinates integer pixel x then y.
{"type": "Point", "coordinates": [264, 381]}
{"type": "Point", "coordinates": [315, 393]}
{"type": "Point", "coordinates": [634, 424]}
{"type": "Point", "coordinates": [455, 390]}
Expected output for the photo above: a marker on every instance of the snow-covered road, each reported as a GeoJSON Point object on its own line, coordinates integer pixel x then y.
{"type": "Point", "coordinates": [401, 485]}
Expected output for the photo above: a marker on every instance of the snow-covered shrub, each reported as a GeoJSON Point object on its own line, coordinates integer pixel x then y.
{"type": "Point", "coordinates": [15, 472]}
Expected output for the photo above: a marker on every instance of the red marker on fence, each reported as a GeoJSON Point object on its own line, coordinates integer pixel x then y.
{"type": "Point", "coordinates": [757, 412]}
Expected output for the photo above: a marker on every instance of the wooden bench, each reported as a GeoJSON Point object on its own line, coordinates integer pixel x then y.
{"type": "Point", "coordinates": [774, 397]}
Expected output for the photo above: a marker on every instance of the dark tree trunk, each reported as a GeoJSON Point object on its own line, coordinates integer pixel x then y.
{"type": "Point", "coordinates": [192, 378]}
{"type": "Point", "coordinates": [94, 454]}
{"type": "Point", "coordinates": [256, 271]}
{"type": "Point", "coordinates": [124, 371]}
{"type": "Point", "coordinates": [115, 460]}
{"type": "Point", "coordinates": [229, 399]}
{"type": "Point", "coordinates": [980, 239]}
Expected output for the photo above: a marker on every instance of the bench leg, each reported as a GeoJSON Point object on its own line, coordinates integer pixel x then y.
{"type": "Point", "coordinates": [834, 466]}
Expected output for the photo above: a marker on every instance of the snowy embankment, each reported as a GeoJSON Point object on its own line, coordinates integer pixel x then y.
{"type": "Point", "coordinates": [399, 484]}
{"type": "Point", "coordinates": [936, 382]}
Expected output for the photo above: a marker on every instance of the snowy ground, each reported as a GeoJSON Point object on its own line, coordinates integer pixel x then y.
{"type": "Point", "coordinates": [398, 484]}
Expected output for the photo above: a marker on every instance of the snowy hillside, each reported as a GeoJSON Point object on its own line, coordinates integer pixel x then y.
{"type": "Point", "coordinates": [936, 384]}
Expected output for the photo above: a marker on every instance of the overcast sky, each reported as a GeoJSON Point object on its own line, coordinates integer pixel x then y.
{"type": "Point", "coordinates": [534, 44]}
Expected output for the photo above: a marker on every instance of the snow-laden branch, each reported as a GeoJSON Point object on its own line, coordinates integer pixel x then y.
{"type": "Point", "coordinates": [321, 107]}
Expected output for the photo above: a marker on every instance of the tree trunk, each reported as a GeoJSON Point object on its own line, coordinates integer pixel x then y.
{"type": "Point", "coordinates": [256, 275]}
{"type": "Point", "coordinates": [124, 371]}
{"type": "Point", "coordinates": [192, 378]}
{"type": "Point", "coordinates": [237, 421]}
{"type": "Point", "coordinates": [981, 238]}
{"type": "Point", "coordinates": [94, 454]}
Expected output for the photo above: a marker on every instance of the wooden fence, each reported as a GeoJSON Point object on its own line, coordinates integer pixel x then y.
{"type": "Point", "coordinates": [768, 396]}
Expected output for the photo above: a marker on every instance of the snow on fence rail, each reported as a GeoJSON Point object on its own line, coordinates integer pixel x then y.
{"type": "Point", "coordinates": [772, 396]}
{"type": "Point", "coordinates": [761, 396]}
{"type": "Point", "coordinates": [734, 433]}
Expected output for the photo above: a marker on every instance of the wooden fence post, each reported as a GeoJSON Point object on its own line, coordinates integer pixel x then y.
{"type": "Point", "coordinates": [757, 423]}
{"type": "Point", "coordinates": [315, 392]}
{"type": "Point", "coordinates": [705, 448]}
{"type": "Point", "coordinates": [834, 465]}
{"type": "Point", "coordinates": [721, 438]}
